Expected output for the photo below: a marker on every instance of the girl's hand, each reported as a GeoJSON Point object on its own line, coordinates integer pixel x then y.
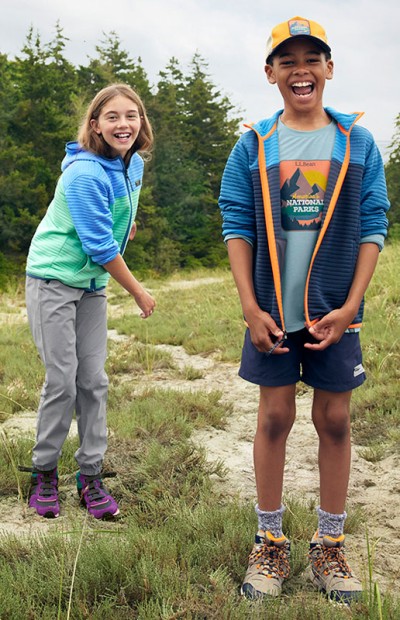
{"type": "Point", "coordinates": [146, 303]}
{"type": "Point", "coordinates": [133, 231]}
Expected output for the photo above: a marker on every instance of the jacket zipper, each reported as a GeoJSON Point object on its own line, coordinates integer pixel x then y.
{"type": "Point", "coordinates": [129, 186]}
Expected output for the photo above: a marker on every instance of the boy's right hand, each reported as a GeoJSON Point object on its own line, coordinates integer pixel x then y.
{"type": "Point", "coordinates": [264, 333]}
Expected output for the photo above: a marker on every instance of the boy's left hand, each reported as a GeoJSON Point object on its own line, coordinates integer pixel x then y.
{"type": "Point", "coordinates": [328, 330]}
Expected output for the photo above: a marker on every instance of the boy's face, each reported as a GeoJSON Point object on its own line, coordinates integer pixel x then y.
{"type": "Point", "coordinates": [300, 69]}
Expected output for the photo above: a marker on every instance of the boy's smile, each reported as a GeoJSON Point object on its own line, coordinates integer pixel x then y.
{"type": "Point", "coordinates": [300, 69]}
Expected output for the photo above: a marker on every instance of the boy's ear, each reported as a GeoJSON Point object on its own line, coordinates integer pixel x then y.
{"type": "Point", "coordinates": [329, 69]}
{"type": "Point", "coordinates": [269, 72]}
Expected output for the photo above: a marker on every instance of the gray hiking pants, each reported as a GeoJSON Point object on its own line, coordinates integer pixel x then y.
{"type": "Point", "coordinates": [69, 327]}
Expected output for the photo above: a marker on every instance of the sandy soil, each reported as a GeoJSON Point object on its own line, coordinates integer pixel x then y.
{"type": "Point", "coordinates": [374, 486]}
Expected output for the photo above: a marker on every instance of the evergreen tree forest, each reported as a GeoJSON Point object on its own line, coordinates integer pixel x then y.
{"type": "Point", "coordinates": [42, 101]}
{"type": "Point", "coordinates": [392, 170]}
{"type": "Point", "coordinates": [43, 98]}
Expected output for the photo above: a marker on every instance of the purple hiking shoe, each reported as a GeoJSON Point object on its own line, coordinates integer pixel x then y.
{"type": "Point", "coordinates": [43, 492]}
{"type": "Point", "coordinates": [95, 497]}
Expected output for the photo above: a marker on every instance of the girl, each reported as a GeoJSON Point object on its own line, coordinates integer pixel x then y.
{"type": "Point", "coordinates": [76, 247]}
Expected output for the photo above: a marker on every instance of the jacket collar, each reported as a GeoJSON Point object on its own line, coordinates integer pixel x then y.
{"type": "Point", "coordinates": [264, 126]}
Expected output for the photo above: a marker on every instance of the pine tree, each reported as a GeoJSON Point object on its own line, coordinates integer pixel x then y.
{"type": "Point", "coordinates": [392, 170]}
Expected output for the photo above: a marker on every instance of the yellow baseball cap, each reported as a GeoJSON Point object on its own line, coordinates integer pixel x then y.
{"type": "Point", "coordinates": [294, 27]}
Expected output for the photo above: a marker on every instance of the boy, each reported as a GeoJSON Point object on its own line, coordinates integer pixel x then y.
{"type": "Point", "coordinates": [303, 202]}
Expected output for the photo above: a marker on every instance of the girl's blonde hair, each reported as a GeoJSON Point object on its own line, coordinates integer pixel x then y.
{"type": "Point", "coordinates": [91, 141]}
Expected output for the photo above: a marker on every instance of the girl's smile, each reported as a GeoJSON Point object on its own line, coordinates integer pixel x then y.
{"type": "Point", "coordinates": [119, 123]}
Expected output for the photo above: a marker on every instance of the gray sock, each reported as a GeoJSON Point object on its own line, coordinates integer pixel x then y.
{"type": "Point", "coordinates": [270, 521]}
{"type": "Point", "coordinates": [330, 524]}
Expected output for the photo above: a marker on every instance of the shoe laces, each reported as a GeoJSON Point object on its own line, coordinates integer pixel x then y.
{"type": "Point", "coordinates": [46, 481]}
{"type": "Point", "coordinates": [272, 561]}
{"type": "Point", "coordinates": [333, 557]}
{"type": "Point", "coordinates": [94, 487]}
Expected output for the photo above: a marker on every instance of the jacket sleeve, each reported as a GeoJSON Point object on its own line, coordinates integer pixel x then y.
{"type": "Point", "coordinates": [374, 200]}
{"type": "Point", "coordinates": [89, 199]}
{"type": "Point", "coordinates": [236, 199]}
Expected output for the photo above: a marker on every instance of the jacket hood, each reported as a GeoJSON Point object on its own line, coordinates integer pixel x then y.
{"type": "Point", "coordinates": [264, 126]}
{"type": "Point", "coordinates": [74, 152]}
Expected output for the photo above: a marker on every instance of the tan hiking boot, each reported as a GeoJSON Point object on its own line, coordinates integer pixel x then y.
{"type": "Point", "coordinates": [329, 570]}
{"type": "Point", "coordinates": [268, 566]}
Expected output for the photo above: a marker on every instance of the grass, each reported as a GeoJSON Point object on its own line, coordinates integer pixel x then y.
{"type": "Point", "coordinates": [205, 319]}
{"type": "Point", "coordinates": [376, 406]}
{"type": "Point", "coordinates": [180, 547]}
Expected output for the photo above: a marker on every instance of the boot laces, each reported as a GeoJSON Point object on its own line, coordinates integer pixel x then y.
{"type": "Point", "coordinates": [333, 557]}
{"type": "Point", "coordinates": [273, 561]}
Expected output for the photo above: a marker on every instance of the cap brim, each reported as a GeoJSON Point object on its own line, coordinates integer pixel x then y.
{"type": "Point", "coordinates": [324, 46]}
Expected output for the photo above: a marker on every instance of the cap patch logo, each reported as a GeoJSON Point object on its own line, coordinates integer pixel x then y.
{"type": "Point", "coordinates": [299, 26]}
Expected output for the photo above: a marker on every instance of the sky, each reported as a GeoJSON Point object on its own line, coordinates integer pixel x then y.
{"type": "Point", "coordinates": [231, 35]}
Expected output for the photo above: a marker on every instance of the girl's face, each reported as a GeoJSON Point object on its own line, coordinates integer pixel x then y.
{"type": "Point", "coordinates": [119, 123]}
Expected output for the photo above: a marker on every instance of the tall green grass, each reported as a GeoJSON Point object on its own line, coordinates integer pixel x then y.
{"type": "Point", "coordinates": [180, 548]}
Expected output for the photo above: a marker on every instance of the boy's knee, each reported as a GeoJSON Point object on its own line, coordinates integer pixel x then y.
{"type": "Point", "coordinates": [335, 424]}
{"type": "Point", "coordinates": [276, 422]}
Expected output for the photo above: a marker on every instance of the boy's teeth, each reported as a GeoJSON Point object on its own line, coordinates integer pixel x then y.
{"type": "Point", "coordinates": [301, 84]}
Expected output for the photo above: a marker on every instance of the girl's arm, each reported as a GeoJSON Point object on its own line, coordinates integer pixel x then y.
{"type": "Point", "coordinates": [118, 269]}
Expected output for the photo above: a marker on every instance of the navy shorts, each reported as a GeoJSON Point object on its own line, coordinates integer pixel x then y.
{"type": "Point", "coordinates": [335, 369]}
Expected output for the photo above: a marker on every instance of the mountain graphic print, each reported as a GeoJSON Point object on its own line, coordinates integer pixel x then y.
{"type": "Point", "coordinates": [303, 185]}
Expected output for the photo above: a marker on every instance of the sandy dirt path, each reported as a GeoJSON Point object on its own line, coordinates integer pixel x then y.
{"type": "Point", "coordinates": [374, 486]}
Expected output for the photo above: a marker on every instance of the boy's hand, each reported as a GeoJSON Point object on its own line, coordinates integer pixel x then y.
{"type": "Point", "coordinates": [328, 330]}
{"type": "Point", "coordinates": [145, 302]}
{"type": "Point", "coordinates": [265, 334]}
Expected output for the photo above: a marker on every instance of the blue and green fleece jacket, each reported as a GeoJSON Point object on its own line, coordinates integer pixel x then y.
{"type": "Point", "coordinates": [88, 221]}
{"type": "Point", "coordinates": [355, 207]}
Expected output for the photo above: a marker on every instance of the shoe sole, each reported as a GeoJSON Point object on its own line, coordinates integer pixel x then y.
{"type": "Point", "coordinates": [254, 595]}
{"type": "Point", "coordinates": [107, 516]}
{"type": "Point", "coordinates": [49, 515]}
{"type": "Point", "coordinates": [343, 600]}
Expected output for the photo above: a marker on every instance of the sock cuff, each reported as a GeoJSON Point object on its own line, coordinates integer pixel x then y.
{"type": "Point", "coordinates": [330, 524]}
{"type": "Point", "coordinates": [271, 513]}
{"type": "Point", "coordinates": [270, 521]}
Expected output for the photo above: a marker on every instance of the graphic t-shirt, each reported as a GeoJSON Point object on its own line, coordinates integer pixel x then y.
{"type": "Point", "coordinates": [305, 158]}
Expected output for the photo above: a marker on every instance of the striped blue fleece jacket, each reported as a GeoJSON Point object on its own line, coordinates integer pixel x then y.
{"type": "Point", "coordinates": [88, 221]}
{"type": "Point", "coordinates": [355, 207]}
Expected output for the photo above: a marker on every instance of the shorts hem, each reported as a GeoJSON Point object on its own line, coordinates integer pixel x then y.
{"type": "Point", "coordinates": [268, 382]}
{"type": "Point", "coordinates": [347, 387]}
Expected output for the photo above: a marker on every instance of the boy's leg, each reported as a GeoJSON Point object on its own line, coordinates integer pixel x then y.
{"type": "Point", "coordinates": [269, 559]}
{"type": "Point", "coordinates": [331, 417]}
{"type": "Point", "coordinates": [276, 414]}
{"type": "Point", "coordinates": [329, 570]}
